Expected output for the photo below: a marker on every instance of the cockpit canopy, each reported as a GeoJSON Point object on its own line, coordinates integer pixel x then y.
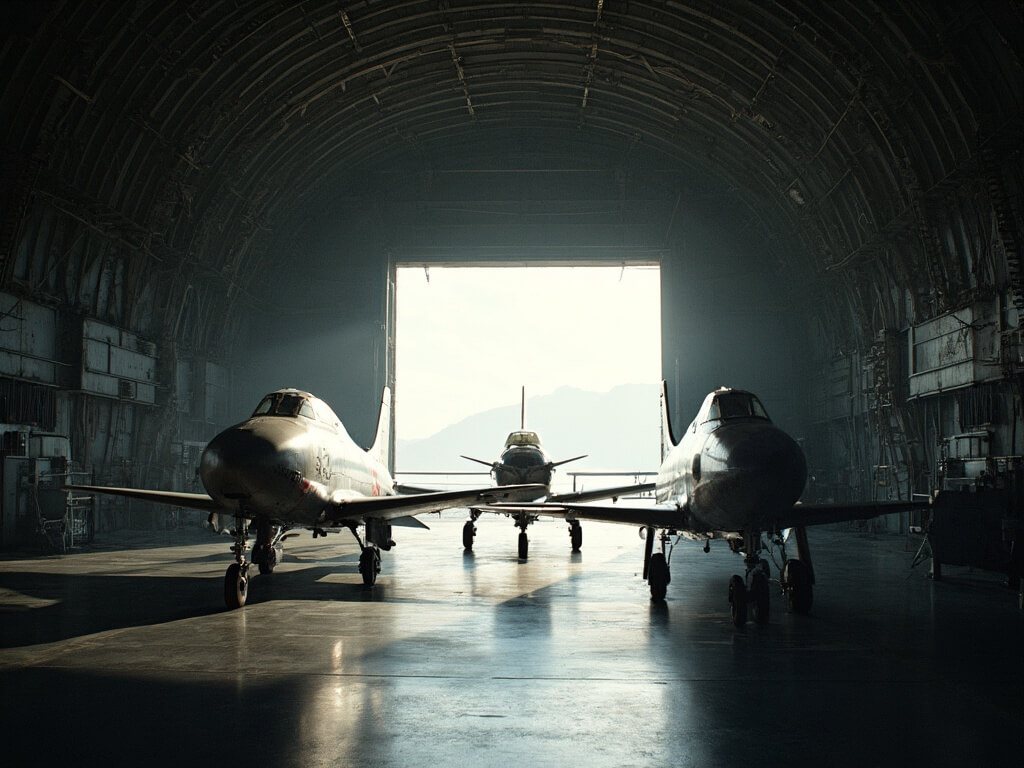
{"type": "Point", "coordinates": [292, 403]}
{"type": "Point", "coordinates": [522, 437]}
{"type": "Point", "coordinates": [725, 404]}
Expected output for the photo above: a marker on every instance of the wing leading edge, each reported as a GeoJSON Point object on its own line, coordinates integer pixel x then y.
{"type": "Point", "coordinates": [173, 498]}
{"type": "Point", "coordinates": [674, 517]}
{"type": "Point", "coordinates": [388, 507]}
{"type": "Point", "coordinates": [385, 507]}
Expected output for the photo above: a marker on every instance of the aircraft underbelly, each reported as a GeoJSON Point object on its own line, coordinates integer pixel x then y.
{"type": "Point", "coordinates": [735, 500]}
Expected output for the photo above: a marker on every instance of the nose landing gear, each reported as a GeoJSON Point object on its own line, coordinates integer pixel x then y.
{"type": "Point", "coordinates": [236, 579]}
{"type": "Point", "coordinates": [754, 591]}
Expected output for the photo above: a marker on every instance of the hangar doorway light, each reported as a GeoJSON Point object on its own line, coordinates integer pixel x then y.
{"type": "Point", "coordinates": [468, 338]}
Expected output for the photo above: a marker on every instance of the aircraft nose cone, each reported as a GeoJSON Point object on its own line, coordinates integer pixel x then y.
{"type": "Point", "coordinates": [242, 467]}
{"type": "Point", "coordinates": [769, 457]}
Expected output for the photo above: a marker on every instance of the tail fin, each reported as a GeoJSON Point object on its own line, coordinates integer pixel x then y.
{"type": "Point", "coordinates": [668, 440]}
{"type": "Point", "coordinates": [382, 442]}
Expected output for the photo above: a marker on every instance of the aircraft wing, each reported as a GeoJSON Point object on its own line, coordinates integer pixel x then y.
{"type": "Point", "coordinates": [657, 516]}
{"type": "Point", "coordinates": [174, 498]}
{"type": "Point", "coordinates": [402, 488]}
{"type": "Point", "coordinates": [388, 507]}
{"type": "Point", "coordinates": [671, 516]}
{"type": "Point", "coordinates": [601, 493]}
{"type": "Point", "coordinates": [822, 514]}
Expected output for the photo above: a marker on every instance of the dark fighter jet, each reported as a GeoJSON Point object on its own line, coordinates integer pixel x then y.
{"type": "Point", "coordinates": [523, 460]}
{"type": "Point", "coordinates": [293, 465]}
{"type": "Point", "coordinates": [734, 476]}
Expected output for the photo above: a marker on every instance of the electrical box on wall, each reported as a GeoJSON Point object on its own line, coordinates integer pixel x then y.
{"type": "Point", "coordinates": [956, 350]}
{"type": "Point", "coordinates": [117, 363]}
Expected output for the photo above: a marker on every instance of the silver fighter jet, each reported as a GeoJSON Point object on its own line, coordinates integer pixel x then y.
{"type": "Point", "coordinates": [292, 465]}
{"type": "Point", "coordinates": [733, 476]}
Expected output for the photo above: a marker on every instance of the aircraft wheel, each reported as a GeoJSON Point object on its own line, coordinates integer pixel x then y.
{"type": "Point", "coordinates": [738, 600]}
{"type": "Point", "coordinates": [796, 579]}
{"type": "Point", "coordinates": [369, 565]}
{"type": "Point", "coordinates": [269, 561]}
{"type": "Point", "coordinates": [760, 597]}
{"type": "Point", "coordinates": [576, 535]}
{"type": "Point", "coordinates": [658, 576]}
{"type": "Point", "coordinates": [236, 586]}
{"type": "Point", "coordinates": [468, 534]}
{"type": "Point", "coordinates": [524, 545]}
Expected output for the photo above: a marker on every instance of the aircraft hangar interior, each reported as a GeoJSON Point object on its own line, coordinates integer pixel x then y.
{"type": "Point", "coordinates": [205, 201]}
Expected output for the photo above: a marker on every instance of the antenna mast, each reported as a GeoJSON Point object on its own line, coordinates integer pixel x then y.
{"type": "Point", "coordinates": [522, 410]}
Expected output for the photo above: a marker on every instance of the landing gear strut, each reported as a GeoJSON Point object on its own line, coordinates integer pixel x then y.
{"type": "Point", "coordinates": [656, 566]}
{"type": "Point", "coordinates": [236, 579]}
{"type": "Point", "coordinates": [521, 522]}
{"type": "Point", "coordinates": [575, 535]}
{"type": "Point", "coordinates": [798, 575]}
{"type": "Point", "coordinates": [469, 530]}
{"type": "Point", "coordinates": [524, 544]}
{"type": "Point", "coordinates": [369, 557]}
{"type": "Point", "coordinates": [754, 590]}
{"type": "Point", "coordinates": [267, 552]}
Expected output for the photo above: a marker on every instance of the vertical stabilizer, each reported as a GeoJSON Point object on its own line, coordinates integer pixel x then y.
{"type": "Point", "coordinates": [668, 440]}
{"type": "Point", "coordinates": [379, 450]}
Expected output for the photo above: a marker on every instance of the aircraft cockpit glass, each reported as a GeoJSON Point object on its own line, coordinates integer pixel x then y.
{"type": "Point", "coordinates": [736, 405]}
{"type": "Point", "coordinates": [324, 413]}
{"type": "Point", "coordinates": [284, 404]}
{"type": "Point", "coordinates": [266, 406]}
{"type": "Point", "coordinates": [522, 438]}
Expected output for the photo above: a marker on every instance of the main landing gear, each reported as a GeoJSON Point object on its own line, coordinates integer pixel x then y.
{"type": "Point", "coordinates": [469, 530]}
{"type": "Point", "coordinates": [378, 537]}
{"type": "Point", "coordinates": [753, 594]}
{"type": "Point", "coordinates": [521, 522]}
{"type": "Point", "coordinates": [656, 565]}
{"type": "Point", "coordinates": [575, 535]}
{"type": "Point", "coordinates": [268, 551]}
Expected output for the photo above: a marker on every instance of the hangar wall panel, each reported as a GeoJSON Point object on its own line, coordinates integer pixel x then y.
{"type": "Point", "coordinates": [953, 351]}
{"type": "Point", "coordinates": [117, 363]}
{"type": "Point", "coordinates": [217, 388]}
{"type": "Point", "coordinates": [28, 340]}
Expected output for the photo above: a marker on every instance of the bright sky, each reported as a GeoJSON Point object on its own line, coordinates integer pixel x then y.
{"type": "Point", "coordinates": [469, 338]}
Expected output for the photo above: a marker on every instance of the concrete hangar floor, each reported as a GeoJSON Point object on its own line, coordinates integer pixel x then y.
{"type": "Point", "coordinates": [122, 653]}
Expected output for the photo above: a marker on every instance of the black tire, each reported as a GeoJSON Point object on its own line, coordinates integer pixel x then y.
{"type": "Point", "coordinates": [468, 534]}
{"type": "Point", "coordinates": [796, 580]}
{"type": "Point", "coordinates": [269, 561]}
{"type": "Point", "coordinates": [658, 577]}
{"type": "Point", "coordinates": [759, 597]}
{"type": "Point", "coordinates": [236, 586]}
{"type": "Point", "coordinates": [738, 600]}
{"type": "Point", "coordinates": [576, 536]}
{"type": "Point", "coordinates": [524, 546]}
{"type": "Point", "coordinates": [369, 565]}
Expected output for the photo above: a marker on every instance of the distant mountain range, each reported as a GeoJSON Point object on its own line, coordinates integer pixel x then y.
{"type": "Point", "coordinates": [619, 430]}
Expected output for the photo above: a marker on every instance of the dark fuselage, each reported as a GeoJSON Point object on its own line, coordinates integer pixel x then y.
{"type": "Point", "coordinates": [523, 464]}
{"type": "Point", "coordinates": [733, 468]}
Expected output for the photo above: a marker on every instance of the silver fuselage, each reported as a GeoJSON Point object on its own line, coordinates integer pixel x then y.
{"type": "Point", "coordinates": [287, 468]}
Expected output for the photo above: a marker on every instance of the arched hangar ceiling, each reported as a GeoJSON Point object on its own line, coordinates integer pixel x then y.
{"type": "Point", "coordinates": [163, 160]}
